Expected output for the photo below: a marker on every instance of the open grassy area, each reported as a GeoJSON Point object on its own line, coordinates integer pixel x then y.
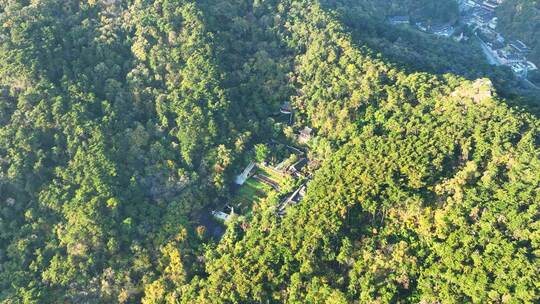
{"type": "Point", "coordinates": [254, 189]}
{"type": "Point", "coordinates": [249, 193]}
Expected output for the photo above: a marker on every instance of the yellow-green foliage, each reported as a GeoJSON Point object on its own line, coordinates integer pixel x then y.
{"type": "Point", "coordinates": [122, 123]}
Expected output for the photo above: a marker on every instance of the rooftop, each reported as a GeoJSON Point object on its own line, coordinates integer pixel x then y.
{"type": "Point", "coordinates": [306, 131]}
{"type": "Point", "coordinates": [399, 19]}
{"type": "Point", "coordinates": [286, 108]}
{"type": "Point", "coordinates": [519, 46]}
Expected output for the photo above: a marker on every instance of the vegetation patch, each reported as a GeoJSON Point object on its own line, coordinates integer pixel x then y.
{"type": "Point", "coordinates": [250, 192]}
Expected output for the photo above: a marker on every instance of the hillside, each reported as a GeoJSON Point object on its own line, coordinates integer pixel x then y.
{"type": "Point", "coordinates": [418, 10]}
{"type": "Point", "coordinates": [124, 123]}
{"type": "Point", "coordinates": [414, 51]}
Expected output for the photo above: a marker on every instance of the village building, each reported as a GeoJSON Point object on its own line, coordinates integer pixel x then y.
{"type": "Point", "coordinates": [531, 66]}
{"type": "Point", "coordinates": [305, 135]}
{"type": "Point", "coordinates": [478, 16]}
{"type": "Point", "coordinates": [493, 23]}
{"type": "Point", "coordinates": [222, 216]}
{"type": "Point", "coordinates": [466, 5]}
{"type": "Point", "coordinates": [490, 5]}
{"type": "Point", "coordinates": [396, 20]}
{"type": "Point", "coordinates": [10, 201]}
{"type": "Point", "coordinates": [508, 57]}
{"type": "Point", "coordinates": [422, 26]}
{"type": "Point", "coordinates": [443, 30]}
{"type": "Point", "coordinates": [286, 108]}
{"type": "Point", "coordinates": [296, 168]}
{"type": "Point", "coordinates": [461, 37]}
{"type": "Point", "coordinates": [520, 69]}
{"type": "Point", "coordinates": [519, 46]}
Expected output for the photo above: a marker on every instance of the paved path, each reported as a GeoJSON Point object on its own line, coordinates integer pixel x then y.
{"type": "Point", "coordinates": [490, 58]}
{"type": "Point", "coordinates": [527, 81]}
{"type": "Point", "coordinates": [267, 181]}
{"type": "Point", "coordinates": [241, 179]}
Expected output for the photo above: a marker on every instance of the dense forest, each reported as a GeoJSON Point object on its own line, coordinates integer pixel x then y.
{"type": "Point", "coordinates": [123, 122]}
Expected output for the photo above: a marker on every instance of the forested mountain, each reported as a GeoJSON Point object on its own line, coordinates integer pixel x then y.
{"type": "Point", "coordinates": [122, 123]}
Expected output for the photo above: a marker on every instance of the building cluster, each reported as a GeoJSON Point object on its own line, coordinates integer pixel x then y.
{"type": "Point", "coordinates": [289, 162]}
{"type": "Point", "coordinates": [443, 30]}
{"type": "Point", "coordinates": [481, 18]}
{"type": "Point", "coordinates": [479, 15]}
